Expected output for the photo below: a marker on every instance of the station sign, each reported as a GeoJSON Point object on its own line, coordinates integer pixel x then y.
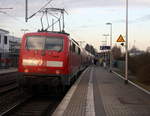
{"type": "Point", "coordinates": [104, 47]}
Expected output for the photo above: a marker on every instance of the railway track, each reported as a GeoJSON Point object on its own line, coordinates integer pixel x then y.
{"type": "Point", "coordinates": [33, 106]}
{"type": "Point", "coordinates": [23, 105]}
{"type": "Point", "coordinates": [9, 98]}
{"type": "Point", "coordinates": [8, 82]}
{"type": "Point", "coordinates": [6, 78]}
{"type": "Point", "coordinates": [7, 88]}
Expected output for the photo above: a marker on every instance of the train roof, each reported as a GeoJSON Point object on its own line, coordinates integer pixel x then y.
{"type": "Point", "coordinates": [50, 32]}
{"type": "Point", "coordinates": [57, 32]}
{"type": "Point", "coordinates": [75, 42]}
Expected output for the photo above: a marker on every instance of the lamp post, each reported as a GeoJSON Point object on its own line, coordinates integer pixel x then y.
{"type": "Point", "coordinates": [110, 66]}
{"type": "Point", "coordinates": [105, 54]}
{"type": "Point", "coordinates": [106, 35]}
{"type": "Point", "coordinates": [126, 62]}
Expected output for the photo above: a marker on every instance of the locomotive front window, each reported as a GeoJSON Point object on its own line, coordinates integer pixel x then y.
{"type": "Point", "coordinates": [54, 43]}
{"type": "Point", "coordinates": [35, 42]}
{"type": "Point", "coordinates": [44, 42]}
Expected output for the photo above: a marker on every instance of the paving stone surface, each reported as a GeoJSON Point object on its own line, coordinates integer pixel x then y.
{"type": "Point", "coordinates": [120, 99]}
{"type": "Point", "coordinates": [111, 96]}
{"type": "Point", "coordinates": [77, 106]}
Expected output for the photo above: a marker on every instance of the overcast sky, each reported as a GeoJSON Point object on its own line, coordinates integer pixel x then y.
{"type": "Point", "coordinates": [86, 19]}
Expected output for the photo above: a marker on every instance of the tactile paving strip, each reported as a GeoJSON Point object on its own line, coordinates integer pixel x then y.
{"type": "Point", "coordinates": [77, 106]}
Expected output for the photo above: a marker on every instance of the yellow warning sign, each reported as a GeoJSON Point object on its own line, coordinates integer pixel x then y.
{"type": "Point", "coordinates": [120, 39]}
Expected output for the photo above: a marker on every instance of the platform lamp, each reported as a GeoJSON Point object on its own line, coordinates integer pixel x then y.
{"type": "Point", "coordinates": [105, 54]}
{"type": "Point", "coordinates": [110, 67]}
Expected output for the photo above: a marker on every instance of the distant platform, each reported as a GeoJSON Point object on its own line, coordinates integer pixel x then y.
{"type": "Point", "coordinates": [100, 93]}
{"type": "Point", "coordinates": [8, 70]}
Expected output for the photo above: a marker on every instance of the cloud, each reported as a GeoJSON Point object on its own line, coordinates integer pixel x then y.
{"type": "Point", "coordinates": [34, 5]}
{"type": "Point", "coordinates": [141, 19]}
{"type": "Point", "coordinates": [119, 21]}
{"type": "Point", "coordinates": [18, 6]}
{"type": "Point", "coordinates": [101, 3]}
{"type": "Point", "coordinates": [144, 18]}
{"type": "Point", "coordinates": [137, 20]}
{"type": "Point", "coordinates": [90, 3]}
{"type": "Point", "coordinates": [86, 26]}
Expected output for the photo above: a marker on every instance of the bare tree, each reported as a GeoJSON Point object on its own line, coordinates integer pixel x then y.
{"type": "Point", "coordinates": [116, 52]}
{"type": "Point", "coordinates": [148, 49]}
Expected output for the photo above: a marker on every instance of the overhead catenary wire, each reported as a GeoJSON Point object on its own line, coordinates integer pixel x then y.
{"type": "Point", "coordinates": [53, 23]}
{"type": "Point", "coordinates": [45, 11]}
{"type": "Point", "coordinates": [13, 17]}
{"type": "Point", "coordinates": [58, 18]}
{"type": "Point", "coordinates": [3, 12]}
{"type": "Point", "coordinates": [42, 21]}
{"type": "Point", "coordinates": [47, 20]}
{"type": "Point", "coordinates": [53, 15]}
{"type": "Point", "coordinates": [40, 9]}
{"type": "Point", "coordinates": [59, 24]}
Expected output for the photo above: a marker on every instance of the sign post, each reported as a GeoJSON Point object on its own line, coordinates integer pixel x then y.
{"type": "Point", "coordinates": [126, 63]}
{"type": "Point", "coordinates": [121, 39]}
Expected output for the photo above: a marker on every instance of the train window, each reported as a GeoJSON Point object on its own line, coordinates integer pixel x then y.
{"type": "Point", "coordinates": [54, 43]}
{"type": "Point", "coordinates": [76, 49]}
{"type": "Point", "coordinates": [73, 47]}
{"type": "Point", "coordinates": [79, 51]}
{"type": "Point", "coordinates": [5, 39]}
{"type": "Point", "coordinates": [70, 48]}
{"type": "Point", "coordinates": [35, 42]}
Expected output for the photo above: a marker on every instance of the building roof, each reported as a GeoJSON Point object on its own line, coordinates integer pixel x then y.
{"type": "Point", "coordinates": [5, 31]}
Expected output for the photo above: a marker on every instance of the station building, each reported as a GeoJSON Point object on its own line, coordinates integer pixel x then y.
{"type": "Point", "coordinates": [9, 48]}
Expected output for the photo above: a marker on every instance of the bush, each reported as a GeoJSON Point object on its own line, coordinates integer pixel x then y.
{"type": "Point", "coordinates": [144, 74]}
{"type": "Point", "coordinates": [140, 66]}
{"type": "Point", "coordinates": [133, 65]}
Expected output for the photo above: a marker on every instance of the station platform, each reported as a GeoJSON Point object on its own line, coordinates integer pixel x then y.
{"type": "Point", "coordinates": [98, 92]}
{"type": "Point", "coordinates": [8, 70]}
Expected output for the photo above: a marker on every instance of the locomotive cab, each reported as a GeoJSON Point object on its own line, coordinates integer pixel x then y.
{"type": "Point", "coordinates": [43, 57]}
{"type": "Point", "coordinates": [50, 58]}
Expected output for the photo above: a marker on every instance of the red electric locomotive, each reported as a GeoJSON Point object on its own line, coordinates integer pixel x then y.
{"type": "Point", "coordinates": [50, 58]}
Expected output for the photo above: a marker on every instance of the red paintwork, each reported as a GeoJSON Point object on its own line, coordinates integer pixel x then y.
{"type": "Point", "coordinates": [71, 61]}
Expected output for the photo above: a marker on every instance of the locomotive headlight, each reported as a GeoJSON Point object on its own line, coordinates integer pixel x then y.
{"type": "Point", "coordinates": [31, 62]}
{"type": "Point", "coordinates": [26, 70]}
{"type": "Point", "coordinates": [57, 72]}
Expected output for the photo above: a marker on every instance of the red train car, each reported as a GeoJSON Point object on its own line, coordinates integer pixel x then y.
{"type": "Point", "coordinates": [50, 58]}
